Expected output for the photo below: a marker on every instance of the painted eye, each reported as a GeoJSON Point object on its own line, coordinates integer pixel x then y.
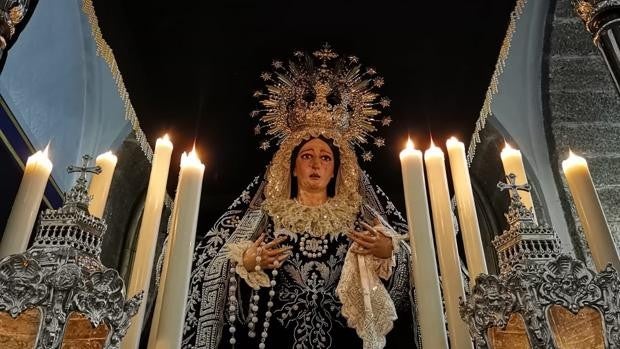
{"type": "Point", "coordinates": [326, 158]}
{"type": "Point", "coordinates": [306, 156]}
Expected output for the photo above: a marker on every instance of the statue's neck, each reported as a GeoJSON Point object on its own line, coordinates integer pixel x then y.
{"type": "Point", "coordinates": [308, 198]}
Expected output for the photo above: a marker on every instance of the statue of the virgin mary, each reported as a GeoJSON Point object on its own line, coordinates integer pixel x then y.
{"type": "Point", "coordinates": [312, 255]}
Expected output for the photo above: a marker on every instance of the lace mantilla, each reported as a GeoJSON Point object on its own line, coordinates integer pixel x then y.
{"type": "Point", "coordinates": [334, 216]}
{"type": "Point", "coordinates": [371, 325]}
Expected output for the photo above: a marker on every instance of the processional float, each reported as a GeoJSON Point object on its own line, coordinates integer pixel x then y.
{"type": "Point", "coordinates": [57, 294]}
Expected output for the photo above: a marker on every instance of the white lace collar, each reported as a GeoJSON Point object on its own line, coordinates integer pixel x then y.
{"type": "Point", "coordinates": [334, 216]}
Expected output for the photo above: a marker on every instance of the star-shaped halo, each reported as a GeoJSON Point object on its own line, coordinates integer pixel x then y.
{"type": "Point", "coordinates": [386, 121]}
{"type": "Point", "coordinates": [385, 102]}
{"type": "Point", "coordinates": [367, 156]}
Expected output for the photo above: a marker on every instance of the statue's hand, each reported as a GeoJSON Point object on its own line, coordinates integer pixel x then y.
{"type": "Point", "coordinates": [265, 255]}
{"type": "Point", "coordinates": [374, 241]}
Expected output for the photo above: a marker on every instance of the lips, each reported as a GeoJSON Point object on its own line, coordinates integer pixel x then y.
{"type": "Point", "coordinates": [315, 176]}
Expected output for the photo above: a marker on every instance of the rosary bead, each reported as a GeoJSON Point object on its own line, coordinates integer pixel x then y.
{"type": "Point", "coordinates": [232, 329]}
{"type": "Point", "coordinates": [232, 308]}
{"type": "Point", "coordinates": [232, 318]}
{"type": "Point", "coordinates": [257, 268]}
{"type": "Point", "coordinates": [268, 314]}
{"type": "Point", "coordinates": [232, 341]}
{"type": "Point", "coordinates": [270, 304]}
{"type": "Point", "coordinates": [255, 308]}
{"type": "Point", "coordinates": [261, 346]}
{"type": "Point", "coordinates": [274, 272]}
{"type": "Point", "coordinates": [254, 319]}
{"type": "Point", "coordinates": [272, 293]}
{"type": "Point", "coordinates": [272, 282]}
{"type": "Point", "coordinates": [256, 297]}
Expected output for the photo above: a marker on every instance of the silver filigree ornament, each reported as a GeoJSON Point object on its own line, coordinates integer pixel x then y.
{"type": "Point", "coordinates": [62, 273]}
{"type": "Point", "coordinates": [322, 90]}
{"type": "Point", "coordinates": [535, 275]}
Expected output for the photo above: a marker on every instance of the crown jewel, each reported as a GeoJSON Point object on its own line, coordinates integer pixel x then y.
{"type": "Point", "coordinates": [322, 90]}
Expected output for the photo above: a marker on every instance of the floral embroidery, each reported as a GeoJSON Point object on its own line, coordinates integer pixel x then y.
{"type": "Point", "coordinates": [308, 300]}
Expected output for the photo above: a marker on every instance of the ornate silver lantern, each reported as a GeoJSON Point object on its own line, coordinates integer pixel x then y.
{"type": "Point", "coordinates": [542, 298]}
{"type": "Point", "coordinates": [57, 293]}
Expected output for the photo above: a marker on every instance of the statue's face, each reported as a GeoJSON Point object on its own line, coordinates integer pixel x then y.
{"type": "Point", "coordinates": [314, 166]}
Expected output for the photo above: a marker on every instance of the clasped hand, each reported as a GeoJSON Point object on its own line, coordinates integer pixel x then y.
{"type": "Point", "coordinates": [372, 241]}
{"type": "Point", "coordinates": [265, 255]}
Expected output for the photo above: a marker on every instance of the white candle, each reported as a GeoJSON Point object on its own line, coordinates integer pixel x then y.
{"type": "Point", "coordinates": [425, 277]}
{"type": "Point", "coordinates": [147, 237]}
{"type": "Point", "coordinates": [179, 260]}
{"type": "Point", "coordinates": [163, 276]}
{"type": "Point", "coordinates": [590, 212]}
{"type": "Point", "coordinates": [468, 219]}
{"type": "Point", "coordinates": [513, 163]}
{"type": "Point", "coordinates": [100, 184]}
{"type": "Point", "coordinates": [449, 263]}
{"type": "Point", "coordinates": [26, 205]}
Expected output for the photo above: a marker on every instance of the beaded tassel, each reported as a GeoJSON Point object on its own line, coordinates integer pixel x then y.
{"type": "Point", "coordinates": [268, 313]}
{"type": "Point", "coordinates": [232, 305]}
{"type": "Point", "coordinates": [253, 312]}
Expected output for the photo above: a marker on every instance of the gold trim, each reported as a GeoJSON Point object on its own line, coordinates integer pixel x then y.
{"type": "Point", "coordinates": [105, 52]}
{"type": "Point", "coordinates": [493, 88]}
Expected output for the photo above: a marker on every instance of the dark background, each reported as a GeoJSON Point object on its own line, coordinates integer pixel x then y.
{"type": "Point", "coordinates": [190, 69]}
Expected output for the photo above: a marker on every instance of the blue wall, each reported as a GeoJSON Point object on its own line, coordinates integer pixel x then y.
{"type": "Point", "coordinates": [60, 91]}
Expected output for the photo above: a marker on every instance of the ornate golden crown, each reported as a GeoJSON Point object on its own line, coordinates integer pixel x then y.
{"type": "Point", "coordinates": [322, 90]}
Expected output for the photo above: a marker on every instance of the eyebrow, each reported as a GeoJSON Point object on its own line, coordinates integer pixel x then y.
{"type": "Point", "coordinates": [326, 151]}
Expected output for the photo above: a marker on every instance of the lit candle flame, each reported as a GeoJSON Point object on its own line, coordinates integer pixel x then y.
{"type": "Point", "coordinates": [507, 146]}
{"type": "Point", "coordinates": [433, 146]}
{"type": "Point", "coordinates": [409, 145]}
{"type": "Point", "coordinates": [46, 150]}
{"type": "Point", "coordinates": [453, 142]}
{"type": "Point", "coordinates": [191, 158]}
{"type": "Point", "coordinates": [166, 138]}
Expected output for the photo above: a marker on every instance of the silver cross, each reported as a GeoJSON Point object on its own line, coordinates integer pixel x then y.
{"type": "Point", "coordinates": [513, 187]}
{"type": "Point", "coordinates": [84, 169]}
